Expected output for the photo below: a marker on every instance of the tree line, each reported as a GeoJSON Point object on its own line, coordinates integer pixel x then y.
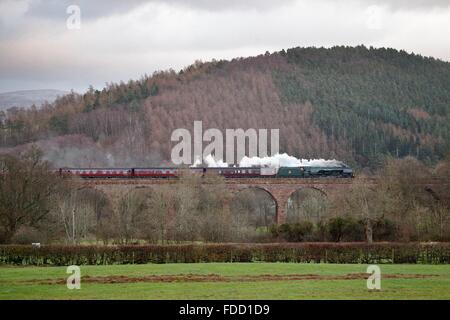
{"type": "Point", "coordinates": [36, 205]}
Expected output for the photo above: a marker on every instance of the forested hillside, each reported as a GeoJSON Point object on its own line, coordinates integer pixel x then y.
{"type": "Point", "coordinates": [353, 104]}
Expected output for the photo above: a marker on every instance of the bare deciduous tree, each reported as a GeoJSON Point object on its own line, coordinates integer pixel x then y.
{"type": "Point", "coordinates": [27, 192]}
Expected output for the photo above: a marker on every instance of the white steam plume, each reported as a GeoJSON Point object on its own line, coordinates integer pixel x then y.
{"type": "Point", "coordinates": [210, 162]}
{"type": "Point", "coordinates": [213, 163]}
{"type": "Point", "coordinates": [285, 160]}
{"type": "Point", "coordinates": [276, 161]}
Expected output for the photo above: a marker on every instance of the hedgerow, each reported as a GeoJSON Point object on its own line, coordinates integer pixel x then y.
{"type": "Point", "coordinates": [52, 255]}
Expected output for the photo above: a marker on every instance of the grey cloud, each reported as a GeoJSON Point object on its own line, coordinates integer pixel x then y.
{"type": "Point", "coordinates": [266, 4]}
{"type": "Point", "coordinates": [37, 51]}
{"type": "Point", "coordinates": [56, 9]}
{"type": "Point", "coordinates": [229, 4]}
{"type": "Point", "coordinates": [93, 9]}
{"type": "Point", "coordinates": [416, 3]}
{"type": "Point", "coordinates": [406, 4]}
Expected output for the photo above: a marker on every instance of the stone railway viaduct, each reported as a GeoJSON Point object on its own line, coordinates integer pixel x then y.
{"type": "Point", "coordinates": [280, 189]}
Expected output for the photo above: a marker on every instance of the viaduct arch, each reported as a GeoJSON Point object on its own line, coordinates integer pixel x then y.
{"type": "Point", "coordinates": [279, 189]}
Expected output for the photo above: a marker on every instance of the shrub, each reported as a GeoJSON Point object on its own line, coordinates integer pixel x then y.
{"type": "Point", "coordinates": [295, 232]}
{"type": "Point", "coordinates": [321, 231]}
{"type": "Point", "coordinates": [384, 230]}
{"type": "Point", "coordinates": [27, 235]}
{"type": "Point", "coordinates": [345, 229]}
{"type": "Point", "coordinates": [435, 253]}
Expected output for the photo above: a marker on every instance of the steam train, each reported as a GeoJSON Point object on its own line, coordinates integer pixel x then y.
{"type": "Point", "coordinates": [227, 172]}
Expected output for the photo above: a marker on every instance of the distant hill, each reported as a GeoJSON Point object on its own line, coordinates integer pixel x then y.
{"type": "Point", "coordinates": [355, 104]}
{"type": "Point", "coordinates": [26, 98]}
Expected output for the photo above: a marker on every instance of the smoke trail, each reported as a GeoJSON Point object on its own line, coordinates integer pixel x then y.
{"type": "Point", "coordinates": [213, 163]}
{"type": "Point", "coordinates": [276, 161]}
{"type": "Point", "coordinates": [285, 160]}
{"type": "Point", "coordinates": [210, 162]}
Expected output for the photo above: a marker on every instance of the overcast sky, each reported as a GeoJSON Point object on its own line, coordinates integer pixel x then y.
{"type": "Point", "coordinates": [122, 40]}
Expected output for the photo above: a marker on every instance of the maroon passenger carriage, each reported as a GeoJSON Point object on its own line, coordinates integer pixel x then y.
{"type": "Point", "coordinates": [119, 172]}
{"type": "Point", "coordinates": [154, 172]}
{"type": "Point", "coordinates": [97, 172]}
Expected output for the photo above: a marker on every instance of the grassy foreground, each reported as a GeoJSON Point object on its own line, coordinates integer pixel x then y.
{"type": "Point", "coordinates": [227, 281]}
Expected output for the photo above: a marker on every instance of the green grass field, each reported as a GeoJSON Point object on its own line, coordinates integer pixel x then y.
{"type": "Point", "coordinates": [227, 281]}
